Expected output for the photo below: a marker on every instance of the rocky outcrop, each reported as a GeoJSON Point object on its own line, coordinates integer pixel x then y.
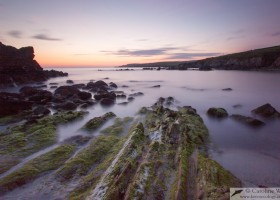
{"type": "Point", "coordinates": [266, 111]}
{"type": "Point", "coordinates": [17, 66]}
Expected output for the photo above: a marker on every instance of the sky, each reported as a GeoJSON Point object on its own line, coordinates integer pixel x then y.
{"type": "Point", "coordinates": [108, 33]}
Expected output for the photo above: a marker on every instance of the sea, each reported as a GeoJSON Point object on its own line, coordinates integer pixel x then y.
{"type": "Point", "coordinates": [251, 154]}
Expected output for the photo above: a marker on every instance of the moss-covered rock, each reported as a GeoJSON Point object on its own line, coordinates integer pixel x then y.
{"type": "Point", "coordinates": [85, 159]}
{"type": "Point", "coordinates": [118, 126]}
{"type": "Point", "coordinates": [213, 180]}
{"type": "Point", "coordinates": [217, 112]}
{"type": "Point", "coordinates": [97, 122]}
{"type": "Point", "coordinates": [23, 140]}
{"type": "Point", "coordinates": [31, 170]}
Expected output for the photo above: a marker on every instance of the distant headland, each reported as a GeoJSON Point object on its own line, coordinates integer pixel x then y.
{"type": "Point", "coordinates": [264, 59]}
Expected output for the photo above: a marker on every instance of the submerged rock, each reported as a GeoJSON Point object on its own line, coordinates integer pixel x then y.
{"type": "Point", "coordinates": [136, 94]}
{"type": "Point", "coordinates": [107, 102]}
{"type": "Point", "coordinates": [227, 89]}
{"type": "Point", "coordinates": [266, 111]}
{"type": "Point", "coordinates": [248, 120]}
{"type": "Point", "coordinates": [217, 112]}
{"type": "Point", "coordinates": [69, 81]}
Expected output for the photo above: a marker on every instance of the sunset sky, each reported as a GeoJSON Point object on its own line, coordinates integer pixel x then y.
{"type": "Point", "coordinates": [101, 33]}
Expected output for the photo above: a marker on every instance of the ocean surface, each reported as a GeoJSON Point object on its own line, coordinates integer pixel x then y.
{"type": "Point", "coordinates": [251, 154]}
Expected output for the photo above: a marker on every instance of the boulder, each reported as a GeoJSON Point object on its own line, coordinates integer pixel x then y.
{"type": "Point", "coordinates": [12, 104]}
{"type": "Point", "coordinates": [35, 95]}
{"type": "Point", "coordinates": [84, 95]}
{"type": "Point", "coordinates": [79, 86]}
{"type": "Point", "coordinates": [68, 105]}
{"type": "Point", "coordinates": [66, 92]}
{"type": "Point", "coordinates": [121, 96]}
{"type": "Point", "coordinates": [248, 120]}
{"type": "Point", "coordinates": [97, 86]}
{"type": "Point", "coordinates": [107, 95]}
{"type": "Point", "coordinates": [130, 99]}
{"type": "Point", "coordinates": [113, 85]}
{"type": "Point", "coordinates": [69, 81]}
{"type": "Point", "coordinates": [217, 112]}
{"type": "Point", "coordinates": [266, 111]}
{"type": "Point", "coordinates": [41, 110]}
{"type": "Point", "coordinates": [107, 102]}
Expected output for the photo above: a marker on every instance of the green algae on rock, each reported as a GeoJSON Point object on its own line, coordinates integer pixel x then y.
{"type": "Point", "coordinates": [118, 126]}
{"type": "Point", "coordinates": [83, 161]}
{"type": "Point", "coordinates": [32, 169]}
{"type": "Point", "coordinates": [23, 140]}
{"type": "Point", "coordinates": [97, 122]}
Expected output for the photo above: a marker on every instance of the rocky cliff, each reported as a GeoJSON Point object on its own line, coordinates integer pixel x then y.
{"type": "Point", "coordinates": [259, 59]}
{"type": "Point", "coordinates": [17, 66]}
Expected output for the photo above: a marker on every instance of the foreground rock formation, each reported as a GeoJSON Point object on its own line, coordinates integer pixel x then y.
{"type": "Point", "coordinates": [17, 66]}
{"type": "Point", "coordinates": [161, 156]}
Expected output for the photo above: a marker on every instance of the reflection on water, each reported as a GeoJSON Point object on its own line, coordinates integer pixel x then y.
{"type": "Point", "coordinates": [251, 154]}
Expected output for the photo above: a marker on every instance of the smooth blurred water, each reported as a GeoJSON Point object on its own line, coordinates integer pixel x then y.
{"type": "Point", "coordinates": [253, 155]}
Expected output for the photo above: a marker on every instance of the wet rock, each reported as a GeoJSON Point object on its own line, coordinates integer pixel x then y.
{"type": "Point", "coordinates": [124, 86]}
{"type": "Point", "coordinates": [68, 105]}
{"type": "Point", "coordinates": [53, 83]}
{"type": "Point", "coordinates": [77, 140]}
{"type": "Point", "coordinates": [121, 96]}
{"type": "Point", "coordinates": [130, 99]}
{"type": "Point", "coordinates": [217, 112]}
{"type": "Point", "coordinates": [69, 81]}
{"type": "Point", "coordinates": [113, 85]}
{"type": "Point", "coordinates": [107, 95]}
{"type": "Point", "coordinates": [84, 95]}
{"type": "Point", "coordinates": [107, 102]}
{"type": "Point", "coordinates": [97, 86]}
{"type": "Point", "coordinates": [41, 86]}
{"type": "Point", "coordinates": [12, 103]}
{"type": "Point", "coordinates": [227, 89]}
{"type": "Point", "coordinates": [237, 106]}
{"type": "Point", "coordinates": [123, 103]}
{"type": "Point", "coordinates": [79, 86]}
{"type": "Point", "coordinates": [41, 110]}
{"type": "Point", "coordinates": [266, 111]}
{"type": "Point", "coordinates": [36, 96]}
{"type": "Point", "coordinates": [136, 94]}
{"type": "Point", "coordinates": [96, 122]}
{"type": "Point", "coordinates": [248, 120]}
{"type": "Point", "coordinates": [53, 87]}
{"type": "Point", "coordinates": [64, 92]}
{"type": "Point", "coordinates": [156, 86]}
